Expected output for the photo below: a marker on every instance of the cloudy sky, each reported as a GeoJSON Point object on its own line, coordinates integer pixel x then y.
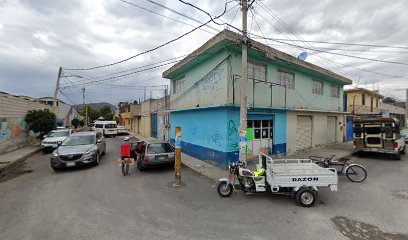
{"type": "Point", "coordinates": [38, 36]}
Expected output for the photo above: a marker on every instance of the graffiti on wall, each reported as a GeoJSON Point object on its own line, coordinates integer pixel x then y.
{"type": "Point", "coordinates": [209, 84]}
{"type": "Point", "coordinates": [233, 136]}
{"type": "Point", "coordinates": [216, 139]}
{"type": "Point", "coordinates": [11, 128]}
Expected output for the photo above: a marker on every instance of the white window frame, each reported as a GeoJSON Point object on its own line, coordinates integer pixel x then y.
{"type": "Point", "coordinates": [335, 91]}
{"type": "Point", "coordinates": [256, 71]}
{"type": "Point", "coordinates": [317, 87]}
{"type": "Point", "coordinates": [179, 85]}
{"type": "Point", "coordinates": [286, 81]}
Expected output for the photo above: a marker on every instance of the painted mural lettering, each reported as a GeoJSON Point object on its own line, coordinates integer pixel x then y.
{"type": "Point", "coordinates": [233, 136]}
{"type": "Point", "coordinates": [209, 84]}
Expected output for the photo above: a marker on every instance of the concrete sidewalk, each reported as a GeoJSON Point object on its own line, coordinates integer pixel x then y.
{"type": "Point", "coordinates": [341, 150]}
{"type": "Point", "coordinates": [10, 160]}
{"type": "Point", "coordinates": [201, 167]}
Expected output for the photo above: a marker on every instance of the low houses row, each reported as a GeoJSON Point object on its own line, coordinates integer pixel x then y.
{"type": "Point", "coordinates": [148, 118]}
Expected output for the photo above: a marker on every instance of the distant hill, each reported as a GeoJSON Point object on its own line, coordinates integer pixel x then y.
{"type": "Point", "coordinates": [96, 106]}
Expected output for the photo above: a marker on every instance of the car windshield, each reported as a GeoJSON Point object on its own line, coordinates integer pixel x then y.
{"type": "Point", "coordinates": [110, 125]}
{"type": "Point", "coordinates": [159, 148]}
{"type": "Point", "coordinates": [79, 140]}
{"type": "Point", "coordinates": [58, 134]}
{"type": "Point", "coordinates": [98, 125]}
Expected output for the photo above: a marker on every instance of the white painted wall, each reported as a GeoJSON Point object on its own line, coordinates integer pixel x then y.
{"type": "Point", "coordinates": [319, 129]}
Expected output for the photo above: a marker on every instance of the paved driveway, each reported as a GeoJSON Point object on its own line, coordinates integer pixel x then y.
{"type": "Point", "coordinates": [98, 203]}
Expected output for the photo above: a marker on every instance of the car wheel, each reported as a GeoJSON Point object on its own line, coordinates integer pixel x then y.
{"type": "Point", "coordinates": [55, 169]}
{"type": "Point", "coordinates": [397, 156]}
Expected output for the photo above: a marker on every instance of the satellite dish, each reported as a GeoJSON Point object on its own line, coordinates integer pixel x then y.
{"type": "Point", "coordinates": [302, 56]}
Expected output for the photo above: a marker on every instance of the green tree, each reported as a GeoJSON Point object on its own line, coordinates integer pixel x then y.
{"type": "Point", "coordinates": [40, 121]}
{"type": "Point", "coordinates": [93, 114]}
{"type": "Point", "coordinates": [106, 113]}
{"type": "Point", "coordinates": [75, 122]}
{"type": "Point", "coordinates": [389, 100]}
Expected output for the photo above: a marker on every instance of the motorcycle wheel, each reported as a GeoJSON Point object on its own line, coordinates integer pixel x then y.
{"type": "Point", "coordinates": [224, 189]}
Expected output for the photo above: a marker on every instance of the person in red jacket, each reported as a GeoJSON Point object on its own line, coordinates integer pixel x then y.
{"type": "Point", "coordinates": [125, 156]}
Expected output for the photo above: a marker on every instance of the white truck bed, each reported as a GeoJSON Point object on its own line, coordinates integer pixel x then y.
{"type": "Point", "coordinates": [297, 173]}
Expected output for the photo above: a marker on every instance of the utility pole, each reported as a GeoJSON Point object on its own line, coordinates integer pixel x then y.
{"type": "Point", "coordinates": [244, 85]}
{"type": "Point", "coordinates": [84, 106]}
{"type": "Point", "coordinates": [177, 162]}
{"type": "Point", "coordinates": [144, 99]}
{"type": "Point", "coordinates": [54, 105]}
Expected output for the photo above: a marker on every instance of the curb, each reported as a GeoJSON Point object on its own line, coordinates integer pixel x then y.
{"type": "Point", "coordinates": [5, 170]}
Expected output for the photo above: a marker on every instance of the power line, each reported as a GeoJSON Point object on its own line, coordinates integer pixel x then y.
{"type": "Point", "coordinates": [288, 28]}
{"type": "Point", "coordinates": [159, 14]}
{"type": "Point", "coordinates": [342, 54]}
{"type": "Point", "coordinates": [177, 12]}
{"type": "Point", "coordinates": [127, 74]}
{"type": "Point", "coordinates": [147, 65]}
{"type": "Point", "coordinates": [153, 49]}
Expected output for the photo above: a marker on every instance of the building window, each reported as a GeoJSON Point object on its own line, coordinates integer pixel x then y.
{"type": "Point", "coordinates": [262, 129]}
{"type": "Point", "coordinates": [256, 71]}
{"type": "Point", "coordinates": [372, 104]}
{"type": "Point", "coordinates": [317, 87]}
{"type": "Point", "coordinates": [287, 79]}
{"type": "Point", "coordinates": [335, 91]}
{"type": "Point", "coordinates": [363, 99]}
{"type": "Point", "coordinates": [178, 85]}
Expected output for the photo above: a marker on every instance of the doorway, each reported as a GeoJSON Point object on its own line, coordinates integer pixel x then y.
{"type": "Point", "coordinates": [261, 134]}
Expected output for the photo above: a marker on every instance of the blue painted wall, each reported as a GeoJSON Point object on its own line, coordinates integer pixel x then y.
{"type": "Point", "coordinates": [211, 134]}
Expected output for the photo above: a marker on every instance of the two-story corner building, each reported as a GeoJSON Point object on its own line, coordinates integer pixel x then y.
{"type": "Point", "coordinates": [359, 102]}
{"type": "Point", "coordinates": [293, 104]}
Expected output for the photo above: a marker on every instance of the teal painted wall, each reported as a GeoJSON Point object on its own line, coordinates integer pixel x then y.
{"type": "Point", "coordinates": [205, 84]}
{"type": "Point", "coordinates": [299, 98]}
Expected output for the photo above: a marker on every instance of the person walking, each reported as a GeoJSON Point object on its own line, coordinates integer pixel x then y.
{"type": "Point", "coordinates": [125, 156]}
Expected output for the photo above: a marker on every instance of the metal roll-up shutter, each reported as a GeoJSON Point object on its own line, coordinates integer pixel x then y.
{"type": "Point", "coordinates": [304, 132]}
{"type": "Point", "coordinates": [331, 129]}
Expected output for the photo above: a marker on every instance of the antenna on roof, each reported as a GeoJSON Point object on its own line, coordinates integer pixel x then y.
{"type": "Point", "coordinates": [302, 56]}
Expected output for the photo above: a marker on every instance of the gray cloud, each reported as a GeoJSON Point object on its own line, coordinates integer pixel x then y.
{"type": "Point", "coordinates": [36, 37]}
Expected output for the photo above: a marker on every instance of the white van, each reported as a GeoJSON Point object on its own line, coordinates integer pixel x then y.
{"type": "Point", "coordinates": [107, 128]}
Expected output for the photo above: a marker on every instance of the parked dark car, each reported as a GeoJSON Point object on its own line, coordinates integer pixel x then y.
{"type": "Point", "coordinates": [81, 148]}
{"type": "Point", "coordinates": [156, 153]}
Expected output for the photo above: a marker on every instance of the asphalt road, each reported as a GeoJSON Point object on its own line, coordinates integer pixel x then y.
{"type": "Point", "coordinates": [98, 203]}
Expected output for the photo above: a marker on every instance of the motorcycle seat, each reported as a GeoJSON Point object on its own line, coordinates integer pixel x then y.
{"type": "Point", "coordinates": [259, 172]}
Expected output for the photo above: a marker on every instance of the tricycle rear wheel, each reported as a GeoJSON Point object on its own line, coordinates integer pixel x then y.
{"type": "Point", "coordinates": [306, 197]}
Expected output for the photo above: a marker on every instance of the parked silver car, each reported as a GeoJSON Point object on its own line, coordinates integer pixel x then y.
{"type": "Point", "coordinates": [54, 139]}
{"type": "Point", "coordinates": [156, 153]}
{"type": "Point", "coordinates": [82, 148]}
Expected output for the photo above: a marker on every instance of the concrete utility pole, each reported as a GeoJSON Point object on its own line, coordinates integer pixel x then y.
{"type": "Point", "coordinates": [84, 106]}
{"type": "Point", "coordinates": [244, 85]}
{"type": "Point", "coordinates": [177, 162]}
{"type": "Point", "coordinates": [54, 105]}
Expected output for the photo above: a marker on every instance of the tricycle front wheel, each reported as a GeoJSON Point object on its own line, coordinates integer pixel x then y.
{"type": "Point", "coordinates": [224, 189]}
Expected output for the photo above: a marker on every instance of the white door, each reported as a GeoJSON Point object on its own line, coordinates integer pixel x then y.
{"type": "Point", "coordinates": [304, 132]}
{"type": "Point", "coordinates": [262, 135]}
{"type": "Point", "coordinates": [331, 129]}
